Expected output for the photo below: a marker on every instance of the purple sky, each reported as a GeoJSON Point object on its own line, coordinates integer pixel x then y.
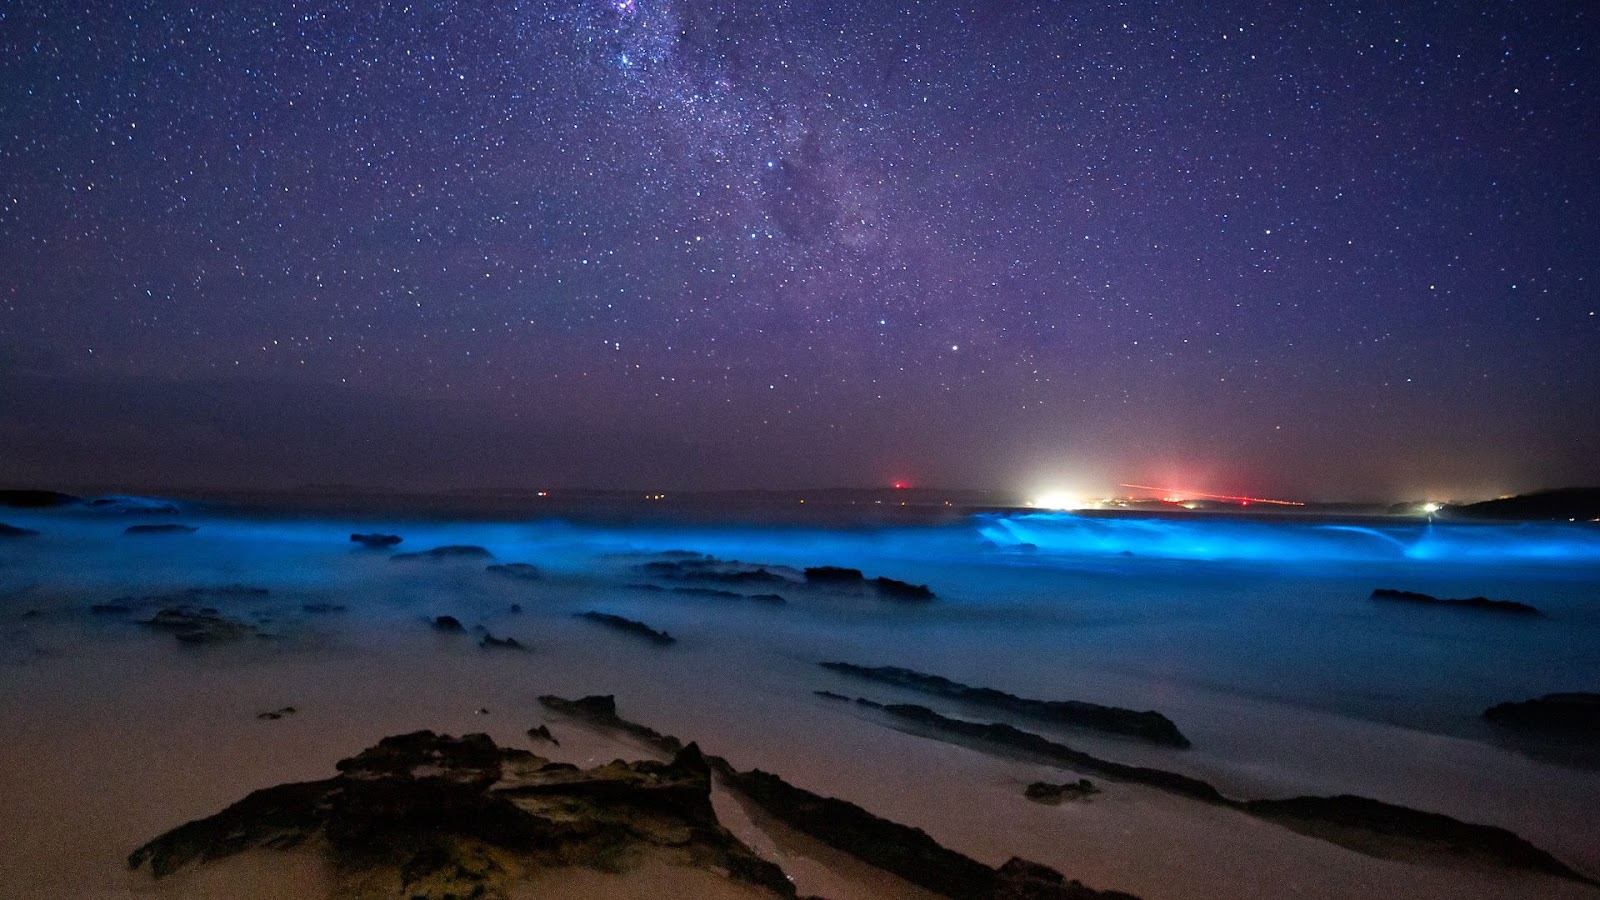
{"type": "Point", "coordinates": [1338, 250]}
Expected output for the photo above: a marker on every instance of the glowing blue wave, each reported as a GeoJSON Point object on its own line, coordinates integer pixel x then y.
{"type": "Point", "coordinates": [1291, 541]}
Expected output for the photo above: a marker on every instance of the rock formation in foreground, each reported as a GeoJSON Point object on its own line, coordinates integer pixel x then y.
{"type": "Point", "coordinates": [424, 816]}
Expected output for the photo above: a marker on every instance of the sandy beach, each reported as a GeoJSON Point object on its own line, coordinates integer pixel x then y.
{"type": "Point", "coordinates": [115, 732]}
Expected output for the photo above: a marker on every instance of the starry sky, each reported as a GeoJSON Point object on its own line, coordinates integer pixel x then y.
{"type": "Point", "coordinates": [1321, 250]}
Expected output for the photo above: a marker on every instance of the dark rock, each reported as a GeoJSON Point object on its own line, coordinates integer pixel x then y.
{"type": "Point", "coordinates": [1045, 792]}
{"type": "Point", "coordinates": [30, 499]}
{"type": "Point", "coordinates": [830, 695]}
{"type": "Point", "coordinates": [519, 571]}
{"type": "Point", "coordinates": [713, 570]}
{"type": "Point", "coordinates": [166, 528]}
{"type": "Point", "coordinates": [323, 608]}
{"type": "Point", "coordinates": [901, 590]}
{"type": "Point", "coordinates": [516, 607]}
{"type": "Point", "coordinates": [630, 626]}
{"type": "Point", "coordinates": [13, 531]}
{"type": "Point", "coordinates": [1576, 712]}
{"type": "Point", "coordinates": [490, 642]}
{"type": "Point", "coordinates": [203, 625]}
{"type": "Point", "coordinates": [1148, 725]}
{"type": "Point", "coordinates": [1483, 603]}
{"type": "Point", "coordinates": [1385, 830]}
{"type": "Point", "coordinates": [429, 817]}
{"type": "Point", "coordinates": [276, 714]}
{"type": "Point", "coordinates": [448, 551]}
{"type": "Point", "coordinates": [601, 710]}
{"type": "Point", "coordinates": [542, 733]}
{"type": "Point", "coordinates": [375, 540]}
{"type": "Point", "coordinates": [448, 623]}
{"type": "Point", "coordinates": [907, 852]}
{"type": "Point", "coordinates": [833, 575]}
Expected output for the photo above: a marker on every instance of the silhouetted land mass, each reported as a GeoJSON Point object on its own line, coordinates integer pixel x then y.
{"type": "Point", "coordinates": [14, 531]}
{"type": "Point", "coordinates": [34, 499]}
{"type": "Point", "coordinates": [1148, 724]}
{"type": "Point", "coordinates": [1481, 603]}
{"type": "Point", "coordinates": [1581, 503]}
{"type": "Point", "coordinates": [1575, 713]}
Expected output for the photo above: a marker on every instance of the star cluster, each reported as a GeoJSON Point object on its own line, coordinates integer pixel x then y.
{"type": "Point", "coordinates": [1333, 249]}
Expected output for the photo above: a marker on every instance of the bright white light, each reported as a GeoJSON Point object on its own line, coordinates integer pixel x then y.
{"type": "Point", "coordinates": [1058, 500]}
{"type": "Point", "coordinates": [1430, 508]}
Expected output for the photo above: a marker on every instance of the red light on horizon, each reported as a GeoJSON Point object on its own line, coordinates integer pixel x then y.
{"type": "Point", "coordinates": [901, 485]}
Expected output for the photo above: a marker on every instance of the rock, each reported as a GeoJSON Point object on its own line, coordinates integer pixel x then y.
{"type": "Point", "coordinates": [375, 540]}
{"type": "Point", "coordinates": [901, 590]}
{"type": "Point", "coordinates": [490, 642]}
{"type": "Point", "coordinates": [714, 570]}
{"type": "Point", "coordinates": [449, 551]}
{"type": "Point", "coordinates": [542, 733]}
{"type": "Point", "coordinates": [630, 626]}
{"type": "Point", "coordinates": [428, 817]}
{"type": "Point", "coordinates": [322, 609]}
{"type": "Point", "coordinates": [115, 607]}
{"type": "Point", "coordinates": [1365, 825]}
{"type": "Point", "coordinates": [201, 626]}
{"type": "Point", "coordinates": [276, 714]}
{"type": "Point", "coordinates": [830, 695]}
{"type": "Point", "coordinates": [1575, 713]}
{"type": "Point", "coordinates": [1386, 830]}
{"type": "Point", "coordinates": [516, 607]}
{"type": "Point", "coordinates": [134, 506]}
{"type": "Point", "coordinates": [1482, 603]}
{"type": "Point", "coordinates": [14, 531]}
{"type": "Point", "coordinates": [601, 710]}
{"type": "Point", "coordinates": [833, 575]}
{"type": "Point", "coordinates": [1045, 792]}
{"type": "Point", "coordinates": [449, 624]}
{"type": "Point", "coordinates": [32, 499]}
{"type": "Point", "coordinates": [167, 528]}
{"type": "Point", "coordinates": [1147, 725]}
{"type": "Point", "coordinates": [907, 852]}
{"type": "Point", "coordinates": [520, 571]}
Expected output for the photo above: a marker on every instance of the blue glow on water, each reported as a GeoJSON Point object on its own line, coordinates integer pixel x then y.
{"type": "Point", "coordinates": [1291, 542]}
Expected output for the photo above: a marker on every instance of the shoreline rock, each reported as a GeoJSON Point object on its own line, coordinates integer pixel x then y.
{"type": "Point", "coordinates": [1147, 725]}
{"type": "Point", "coordinates": [629, 626]}
{"type": "Point", "coordinates": [1481, 603]}
{"type": "Point", "coordinates": [448, 551]}
{"type": "Point", "coordinates": [375, 540]}
{"type": "Point", "coordinates": [519, 571]}
{"type": "Point", "coordinates": [1573, 712]}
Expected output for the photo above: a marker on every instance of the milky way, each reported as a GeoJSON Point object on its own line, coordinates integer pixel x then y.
{"type": "Point", "coordinates": [1334, 250]}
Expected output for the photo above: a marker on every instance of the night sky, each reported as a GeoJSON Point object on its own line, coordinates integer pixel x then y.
{"type": "Point", "coordinates": [1329, 250]}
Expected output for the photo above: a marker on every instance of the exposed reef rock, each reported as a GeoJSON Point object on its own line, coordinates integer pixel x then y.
{"type": "Point", "coordinates": [375, 540]}
{"type": "Point", "coordinates": [519, 570]}
{"type": "Point", "coordinates": [448, 551]}
{"type": "Point", "coordinates": [13, 531]}
{"type": "Point", "coordinates": [449, 624]}
{"type": "Point", "coordinates": [1148, 725]}
{"type": "Point", "coordinates": [1045, 792]}
{"type": "Point", "coordinates": [276, 714]}
{"type": "Point", "coordinates": [203, 625]}
{"type": "Point", "coordinates": [895, 589]}
{"type": "Point", "coordinates": [32, 499]}
{"type": "Point", "coordinates": [490, 642]}
{"type": "Point", "coordinates": [833, 575]}
{"type": "Point", "coordinates": [1573, 713]}
{"type": "Point", "coordinates": [714, 570]}
{"type": "Point", "coordinates": [1365, 825]}
{"type": "Point", "coordinates": [542, 733]}
{"type": "Point", "coordinates": [691, 591]}
{"type": "Point", "coordinates": [904, 851]}
{"type": "Point", "coordinates": [630, 626]}
{"type": "Point", "coordinates": [1483, 603]}
{"type": "Point", "coordinates": [423, 816]}
{"type": "Point", "coordinates": [165, 528]}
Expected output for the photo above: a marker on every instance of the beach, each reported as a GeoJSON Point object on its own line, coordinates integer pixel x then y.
{"type": "Point", "coordinates": [1258, 639]}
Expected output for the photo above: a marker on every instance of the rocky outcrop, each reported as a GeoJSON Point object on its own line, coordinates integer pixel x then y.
{"type": "Point", "coordinates": [1358, 823]}
{"type": "Point", "coordinates": [490, 642]}
{"type": "Point", "coordinates": [1575, 713]}
{"type": "Point", "coordinates": [707, 568]}
{"type": "Point", "coordinates": [34, 499]}
{"type": "Point", "coordinates": [519, 571]}
{"type": "Point", "coordinates": [13, 531]}
{"type": "Point", "coordinates": [719, 593]}
{"type": "Point", "coordinates": [448, 624]}
{"type": "Point", "coordinates": [1480, 603]}
{"type": "Point", "coordinates": [904, 851]}
{"type": "Point", "coordinates": [891, 588]}
{"type": "Point", "coordinates": [375, 540]}
{"type": "Point", "coordinates": [895, 589]}
{"type": "Point", "coordinates": [833, 575]}
{"type": "Point", "coordinates": [165, 528]}
{"type": "Point", "coordinates": [629, 626]}
{"type": "Point", "coordinates": [276, 714]}
{"type": "Point", "coordinates": [202, 625]}
{"type": "Point", "coordinates": [1046, 792]}
{"type": "Point", "coordinates": [423, 816]}
{"type": "Point", "coordinates": [1147, 725]}
{"type": "Point", "coordinates": [448, 551]}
